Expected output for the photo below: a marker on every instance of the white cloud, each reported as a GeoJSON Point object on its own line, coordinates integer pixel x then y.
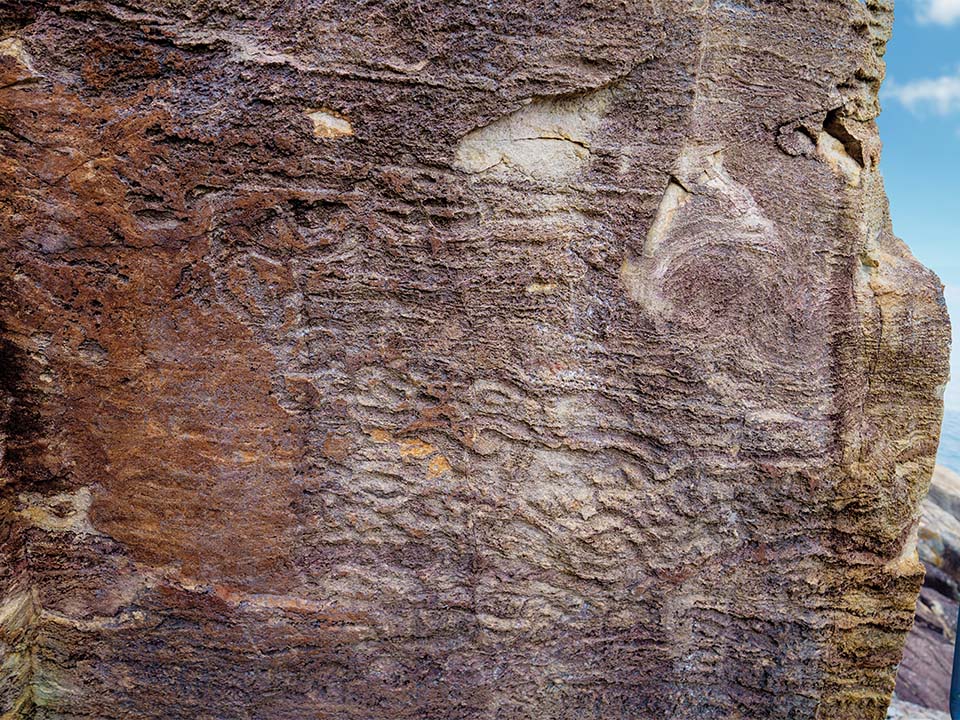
{"type": "Point", "coordinates": [941, 12]}
{"type": "Point", "coordinates": [941, 94]}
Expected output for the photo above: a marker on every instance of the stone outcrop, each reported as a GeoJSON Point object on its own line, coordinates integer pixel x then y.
{"type": "Point", "coordinates": [455, 360]}
{"type": "Point", "coordinates": [902, 710]}
{"type": "Point", "coordinates": [924, 675]}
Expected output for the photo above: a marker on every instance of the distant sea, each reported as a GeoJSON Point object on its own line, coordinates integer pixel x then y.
{"type": "Point", "coordinates": [949, 454]}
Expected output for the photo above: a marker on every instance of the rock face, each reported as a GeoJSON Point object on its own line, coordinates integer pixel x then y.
{"type": "Point", "coordinates": [455, 360]}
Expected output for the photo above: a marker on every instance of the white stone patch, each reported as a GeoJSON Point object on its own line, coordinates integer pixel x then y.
{"type": "Point", "coordinates": [17, 611]}
{"type": "Point", "coordinates": [902, 710]}
{"type": "Point", "coordinates": [538, 288]}
{"type": "Point", "coordinates": [66, 512]}
{"type": "Point", "coordinates": [832, 151]}
{"type": "Point", "coordinates": [329, 124]}
{"type": "Point", "coordinates": [13, 47]}
{"type": "Point", "coordinates": [674, 198]}
{"type": "Point", "coordinates": [547, 138]}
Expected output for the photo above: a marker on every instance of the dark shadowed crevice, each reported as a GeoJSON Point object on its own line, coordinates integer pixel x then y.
{"type": "Point", "coordinates": [835, 127]}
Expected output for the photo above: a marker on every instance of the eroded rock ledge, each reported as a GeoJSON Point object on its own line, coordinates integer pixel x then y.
{"type": "Point", "coordinates": [455, 360]}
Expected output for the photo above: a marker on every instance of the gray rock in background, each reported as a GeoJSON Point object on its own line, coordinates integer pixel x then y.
{"type": "Point", "coordinates": [924, 676]}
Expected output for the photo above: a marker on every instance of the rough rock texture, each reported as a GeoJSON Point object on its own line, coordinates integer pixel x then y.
{"type": "Point", "coordinates": [924, 675]}
{"type": "Point", "coordinates": [439, 359]}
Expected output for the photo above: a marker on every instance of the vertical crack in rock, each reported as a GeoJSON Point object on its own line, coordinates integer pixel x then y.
{"type": "Point", "coordinates": [889, 449]}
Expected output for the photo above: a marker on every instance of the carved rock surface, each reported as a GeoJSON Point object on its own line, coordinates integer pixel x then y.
{"type": "Point", "coordinates": [455, 360]}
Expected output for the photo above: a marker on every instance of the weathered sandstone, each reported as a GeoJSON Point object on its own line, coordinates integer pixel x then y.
{"type": "Point", "coordinates": [388, 359]}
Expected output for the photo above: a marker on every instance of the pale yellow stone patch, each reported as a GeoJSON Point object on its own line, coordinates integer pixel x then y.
{"type": "Point", "coordinates": [674, 198]}
{"type": "Point", "coordinates": [832, 151]}
{"type": "Point", "coordinates": [17, 611]}
{"type": "Point", "coordinates": [66, 512]}
{"type": "Point", "coordinates": [437, 467]}
{"type": "Point", "coordinates": [639, 282]}
{"type": "Point", "coordinates": [245, 457]}
{"type": "Point", "coordinates": [497, 624]}
{"type": "Point", "coordinates": [329, 123]}
{"type": "Point", "coordinates": [547, 138]}
{"type": "Point", "coordinates": [907, 563]}
{"type": "Point", "coordinates": [540, 288]}
{"type": "Point", "coordinates": [416, 448]}
{"type": "Point", "coordinates": [13, 47]}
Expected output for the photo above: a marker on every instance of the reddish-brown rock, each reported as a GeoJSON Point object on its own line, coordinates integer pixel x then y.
{"type": "Point", "coordinates": [455, 360]}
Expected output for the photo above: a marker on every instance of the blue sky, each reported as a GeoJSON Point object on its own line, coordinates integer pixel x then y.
{"type": "Point", "coordinates": [920, 128]}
